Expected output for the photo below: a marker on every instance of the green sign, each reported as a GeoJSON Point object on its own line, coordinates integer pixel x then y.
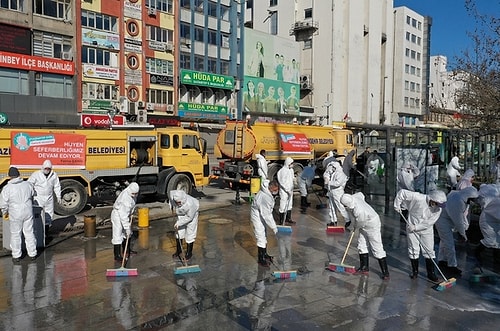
{"type": "Point", "coordinates": [3, 118]}
{"type": "Point", "coordinates": [197, 110]}
{"type": "Point", "coordinates": [100, 104]}
{"type": "Point", "coordinates": [206, 79]}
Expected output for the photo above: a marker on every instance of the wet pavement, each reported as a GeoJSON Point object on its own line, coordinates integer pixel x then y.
{"type": "Point", "coordinates": [66, 287]}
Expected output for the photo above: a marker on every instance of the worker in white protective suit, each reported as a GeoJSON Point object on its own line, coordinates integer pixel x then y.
{"type": "Point", "coordinates": [423, 212]}
{"type": "Point", "coordinates": [17, 204]}
{"type": "Point", "coordinates": [495, 170]}
{"type": "Point", "coordinates": [121, 222]}
{"type": "Point", "coordinates": [453, 218]}
{"type": "Point", "coordinates": [466, 179]}
{"type": "Point", "coordinates": [489, 220]}
{"type": "Point", "coordinates": [46, 184]}
{"type": "Point", "coordinates": [262, 165]}
{"type": "Point", "coordinates": [187, 210]}
{"type": "Point", "coordinates": [285, 179]}
{"type": "Point", "coordinates": [261, 214]}
{"type": "Point", "coordinates": [335, 181]}
{"type": "Point", "coordinates": [452, 171]}
{"type": "Point", "coordinates": [405, 180]}
{"type": "Point", "coordinates": [366, 219]}
{"type": "Point", "coordinates": [304, 182]}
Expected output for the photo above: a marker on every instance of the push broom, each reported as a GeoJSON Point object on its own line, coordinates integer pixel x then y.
{"type": "Point", "coordinates": [185, 269]}
{"type": "Point", "coordinates": [289, 274]}
{"type": "Point", "coordinates": [448, 282]}
{"type": "Point", "coordinates": [122, 271]}
{"type": "Point", "coordinates": [342, 267]}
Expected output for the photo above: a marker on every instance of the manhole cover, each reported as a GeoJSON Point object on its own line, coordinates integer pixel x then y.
{"type": "Point", "coordinates": [220, 221]}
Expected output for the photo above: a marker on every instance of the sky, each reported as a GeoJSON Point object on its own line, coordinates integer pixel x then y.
{"type": "Point", "coordinates": [450, 22]}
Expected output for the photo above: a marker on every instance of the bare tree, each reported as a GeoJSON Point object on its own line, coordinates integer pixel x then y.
{"type": "Point", "coordinates": [479, 69]}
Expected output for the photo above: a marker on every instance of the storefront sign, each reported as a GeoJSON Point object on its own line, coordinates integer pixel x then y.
{"type": "Point", "coordinates": [93, 71]}
{"type": "Point", "coordinates": [100, 39]}
{"type": "Point", "coordinates": [201, 111]}
{"type": "Point", "coordinates": [161, 80]}
{"type": "Point", "coordinates": [206, 79]}
{"type": "Point", "coordinates": [94, 120]}
{"type": "Point", "coordinates": [36, 63]}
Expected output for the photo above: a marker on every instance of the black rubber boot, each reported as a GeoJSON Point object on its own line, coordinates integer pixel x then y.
{"type": "Point", "coordinates": [178, 249]}
{"type": "Point", "coordinates": [189, 251]}
{"type": "Point", "coordinates": [383, 267]}
{"type": "Point", "coordinates": [262, 257]}
{"type": "Point", "coordinates": [431, 275]}
{"type": "Point", "coordinates": [118, 252]}
{"type": "Point", "coordinates": [282, 219]}
{"type": "Point", "coordinates": [477, 253]}
{"type": "Point", "coordinates": [289, 217]}
{"type": "Point", "coordinates": [267, 256]}
{"type": "Point", "coordinates": [414, 268]}
{"type": "Point", "coordinates": [363, 267]}
{"type": "Point", "coordinates": [303, 205]}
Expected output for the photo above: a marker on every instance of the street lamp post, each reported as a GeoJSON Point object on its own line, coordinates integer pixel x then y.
{"type": "Point", "coordinates": [327, 105]}
{"type": "Point", "coordinates": [382, 115]}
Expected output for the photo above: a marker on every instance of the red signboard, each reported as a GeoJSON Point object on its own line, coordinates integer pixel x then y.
{"type": "Point", "coordinates": [36, 63]}
{"type": "Point", "coordinates": [294, 143]}
{"type": "Point", "coordinates": [64, 150]}
{"type": "Point", "coordinates": [15, 39]}
{"type": "Point", "coordinates": [100, 121]}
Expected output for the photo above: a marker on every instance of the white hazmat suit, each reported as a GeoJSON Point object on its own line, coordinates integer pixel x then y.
{"type": "Point", "coordinates": [489, 220]}
{"type": "Point", "coordinates": [366, 219]}
{"type": "Point", "coordinates": [452, 171]}
{"type": "Point", "coordinates": [17, 197]}
{"type": "Point", "coordinates": [466, 180]}
{"type": "Point", "coordinates": [123, 208]}
{"type": "Point", "coordinates": [285, 179]}
{"type": "Point", "coordinates": [335, 181]}
{"type": "Point", "coordinates": [46, 184]}
{"type": "Point", "coordinates": [453, 217]}
{"type": "Point", "coordinates": [262, 167]}
{"type": "Point", "coordinates": [406, 176]}
{"type": "Point", "coordinates": [187, 210]}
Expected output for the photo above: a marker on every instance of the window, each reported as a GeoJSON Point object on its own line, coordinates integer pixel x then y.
{"type": "Point", "coordinates": [419, 26]}
{"type": "Point", "coordinates": [273, 3]}
{"type": "Point", "coordinates": [14, 81]}
{"type": "Point", "coordinates": [406, 101]}
{"type": "Point", "coordinates": [419, 41]}
{"type": "Point", "coordinates": [413, 55]}
{"type": "Point", "coordinates": [224, 67]}
{"type": "Point", "coordinates": [185, 4]}
{"type": "Point", "coordinates": [407, 83]}
{"type": "Point", "coordinates": [414, 22]}
{"type": "Point", "coordinates": [408, 35]}
{"type": "Point", "coordinates": [99, 91]}
{"type": "Point", "coordinates": [99, 21]}
{"type": "Point", "coordinates": [417, 87]}
{"type": "Point", "coordinates": [50, 45]}
{"type": "Point", "coordinates": [185, 61]}
{"type": "Point", "coordinates": [198, 63]}
{"type": "Point", "coordinates": [308, 13]}
{"type": "Point", "coordinates": [273, 24]}
{"type": "Point", "coordinates": [190, 141]}
{"type": "Point", "coordinates": [159, 66]}
{"type": "Point", "coordinates": [418, 56]}
{"type": "Point", "coordinates": [413, 39]}
{"type": "Point", "coordinates": [407, 52]}
{"type": "Point", "coordinates": [158, 34]}
{"type": "Point", "coordinates": [56, 86]}
{"type": "Point", "coordinates": [12, 4]}
{"type": "Point", "coordinates": [165, 141]}
{"type": "Point", "coordinates": [412, 86]}
{"type": "Point", "coordinates": [53, 8]}
{"type": "Point", "coordinates": [407, 68]}
{"type": "Point", "coordinates": [412, 70]}
{"type": "Point", "coordinates": [408, 20]}
{"type": "Point", "coordinates": [308, 43]}
{"type": "Point", "coordinates": [161, 5]}
{"type": "Point", "coordinates": [159, 96]}
{"type": "Point", "coordinates": [418, 72]}
{"type": "Point", "coordinates": [96, 56]}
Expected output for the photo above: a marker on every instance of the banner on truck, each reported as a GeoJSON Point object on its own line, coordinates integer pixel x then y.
{"type": "Point", "coordinates": [294, 143]}
{"type": "Point", "coordinates": [64, 150]}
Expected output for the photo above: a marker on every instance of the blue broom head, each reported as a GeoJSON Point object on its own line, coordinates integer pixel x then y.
{"type": "Point", "coordinates": [187, 269]}
{"type": "Point", "coordinates": [284, 229]}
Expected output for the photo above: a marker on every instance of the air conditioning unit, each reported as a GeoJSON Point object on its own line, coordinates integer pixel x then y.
{"type": "Point", "coordinates": [152, 11]}
{"type": "Point", "coordinates": [305, 82]}
{"type": "Point", "coordinates": [124, 108]}
{"type": "Point", "coordinates": [68, 56]}
{"type": "Point", "coordinates": [141, 104]}
{"type": "Point", "coordinates": [169, 48]}
{"type": "Point", "coordinates": [150, 106]}
{"type": "Point", "coordinates": [142, 116]}
{"type": "Point", "coordinates": [170, 109]}
{"type": "Point", "coordinates": [233, 113]}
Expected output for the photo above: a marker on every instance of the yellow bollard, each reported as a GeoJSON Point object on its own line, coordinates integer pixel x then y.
{"type": "Point", "coordinates": [89, 226]}
{"type": "Point", "coordinates": [143, 214]}
{"type": "Point", "coordinates": [254, 187]}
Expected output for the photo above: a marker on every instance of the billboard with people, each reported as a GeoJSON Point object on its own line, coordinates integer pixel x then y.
{"type": "Point", "coordinates": [272, 74]}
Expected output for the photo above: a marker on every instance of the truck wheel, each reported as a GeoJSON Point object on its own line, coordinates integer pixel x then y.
{"type": "Point", "coordinates": [272, 171]}
{"type": "Point", "coordinates": [180, 182]}
{"type": "Point", "coordinates": [73, 198]}
{"type": "Point", "coordinates": [297, 171]}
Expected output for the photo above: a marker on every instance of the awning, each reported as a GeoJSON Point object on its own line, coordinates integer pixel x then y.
{"type": "Point", "coordinates": [294, 143]}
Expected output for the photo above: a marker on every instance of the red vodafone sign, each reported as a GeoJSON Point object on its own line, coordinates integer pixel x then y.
{"type": "Point", "coordinates": [93, 120]}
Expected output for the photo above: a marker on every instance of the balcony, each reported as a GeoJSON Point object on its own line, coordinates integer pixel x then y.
{"type": "Point", "coordinates": [303, 30]}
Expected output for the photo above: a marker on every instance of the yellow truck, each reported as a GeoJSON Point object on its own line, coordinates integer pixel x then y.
{"type": "Point", "coordinates": [238, 143]}
{"type": "Point", "coordinates": [97, 164]}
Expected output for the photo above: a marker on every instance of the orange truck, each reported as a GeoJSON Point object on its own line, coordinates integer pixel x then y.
{"type": "Point", "coordinates": [238, 143]}
{"type": "Point", "coordinates": [97, 164]}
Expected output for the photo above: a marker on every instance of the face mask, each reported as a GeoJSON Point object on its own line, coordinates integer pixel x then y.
{"type": "Point", "coordinates": [46, 171]}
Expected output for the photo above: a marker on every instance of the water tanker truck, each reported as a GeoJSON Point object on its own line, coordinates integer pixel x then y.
{"type": "Point", "coordinates": [238, 143]}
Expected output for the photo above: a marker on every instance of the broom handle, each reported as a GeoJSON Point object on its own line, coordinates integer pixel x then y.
{"type": "Point", "coordinates": [183, 257]}
{"type": "Point", "coordinates": [425, 249]}
{"type": "Point", "coordinates": [126, 244]}
{"type": "Point", "coordinates": [347, 248]}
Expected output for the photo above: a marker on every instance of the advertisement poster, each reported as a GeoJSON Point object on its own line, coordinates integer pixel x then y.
{"type": "Point", "coordinates": [64, 150]}
{"type": "Point", "coordinates": [294, 143]}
